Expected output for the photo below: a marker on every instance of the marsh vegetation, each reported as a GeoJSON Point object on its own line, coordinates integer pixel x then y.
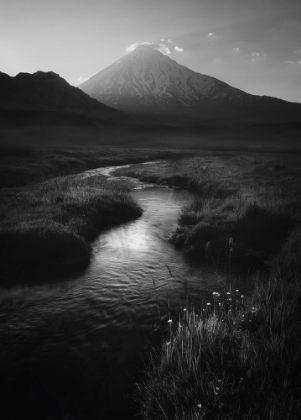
{"type": "Point", "coordinates": [219, 358]}
{"type": "Point", "coordinates": [47, 218]}
{"type": "Point", "coordinates": [52, 223]}
{"type": "Point", "coordinates": [23, 164]}
{"type": "Point", "coordinates": [253, 198]}
{"type": "Point", "coordinates": [233, 357]}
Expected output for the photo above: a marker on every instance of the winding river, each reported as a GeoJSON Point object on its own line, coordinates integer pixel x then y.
{"type": "Point", "coordinates": [75, 346]}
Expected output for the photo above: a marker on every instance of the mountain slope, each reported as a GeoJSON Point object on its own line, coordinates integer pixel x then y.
{"type": "Point", "coordinates": [146, 81]}
{"type": "Point", "coordinates": [47, 94]}
{"type": "Point", "coordinates": [148, 77]}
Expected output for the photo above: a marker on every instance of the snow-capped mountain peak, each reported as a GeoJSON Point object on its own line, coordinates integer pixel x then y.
{"type": "Point", "coordinates": [145, 78]}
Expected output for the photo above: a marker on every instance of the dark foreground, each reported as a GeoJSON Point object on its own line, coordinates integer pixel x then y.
{"type": "Point", "coordinates": [48, 218]}
{"type": "Point", "coordinates": [233, 357]}
{"type": "Point", "coordinates": [220, 363]}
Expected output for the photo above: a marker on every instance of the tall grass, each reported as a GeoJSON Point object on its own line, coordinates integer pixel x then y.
{"type": "Point", "coordinates": [52, 223]}
{"type": "Point", "coordinates": [253, 198]}
{"type": "Point", "coordinates": [259, 227]}
{"type": "Point", "coordinates": [238, 362]}
{"type": "Point", "coordinates": [235, 357]}
{"type": "Point", "coordinates": [23, 165]}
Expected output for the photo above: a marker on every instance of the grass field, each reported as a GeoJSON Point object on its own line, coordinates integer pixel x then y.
{"type": "Point", "coordinates": [52, 223]}
{"type": "Point", "coordinates": [235, 357]}
{"type": "Point", "coordinates": [232, 358]}
{"type": "Point", "coordinates": [253, 198]}
{"type": "Point", "coordinates": [25, 164]}
{"type": "Point", "coordinates": [48, 220]}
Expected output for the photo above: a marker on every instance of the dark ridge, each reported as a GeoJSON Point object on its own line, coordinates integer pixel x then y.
{"type": "Point", "coordinates": [48, 92]}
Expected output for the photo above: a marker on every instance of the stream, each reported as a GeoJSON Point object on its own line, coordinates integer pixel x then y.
{"type": "Point", "coordinates": [75, 348]}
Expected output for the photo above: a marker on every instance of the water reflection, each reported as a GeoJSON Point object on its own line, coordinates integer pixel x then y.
{"type": "Point", "coordinates": [98, 323]}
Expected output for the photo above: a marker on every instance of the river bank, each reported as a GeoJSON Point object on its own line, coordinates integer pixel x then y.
{"type": "Point", "coordinates": [74, 345]}
{"type": "Point", "coordinates": [234, 356]}
{"type": "Point", "coordinates": [253, 199]}
{"type": "Point", "coordinates": [240, 360]}
{"type": "Point", "coordinates": [52, 224]}
{"type": "Point", "coordinates": [73, 348]}
{"type": "Point", "coordinates": [49, 219]}
{"type": "Point", "coordinates": [22, 165]}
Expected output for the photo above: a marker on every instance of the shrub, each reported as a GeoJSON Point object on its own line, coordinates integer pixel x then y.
{"type": "Point", "coordinates": [44, 243]}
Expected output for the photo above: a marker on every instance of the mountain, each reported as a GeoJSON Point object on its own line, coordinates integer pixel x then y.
{"type": "Point", "coordinates": [147, 82]}
{"type": "Point", "coordinates": [46, 97]}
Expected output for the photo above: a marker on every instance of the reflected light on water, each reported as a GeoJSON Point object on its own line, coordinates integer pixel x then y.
{"type": "Point", "coordinates": [103, 317]}
{"type": "Point", "coordinates": [130, 237]}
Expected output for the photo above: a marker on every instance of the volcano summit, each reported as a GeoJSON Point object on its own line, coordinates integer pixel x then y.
{"type": "Point", "coordinates": [148, 82]}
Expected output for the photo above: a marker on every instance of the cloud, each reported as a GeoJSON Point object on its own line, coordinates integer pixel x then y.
{"type": "Point", "coordinates": [161, 46]}
{"type": "Point", "coordinates": [293, 62]}
{"type": "Point", "coordinates": [211, 36]}
{"type": "Point", "coordinates": [178, 49]}
{"type": "Point", "coordinates": [81, 79]}
{"type": "Point", "coordinates": [298, 51]}
{"type": "Point", "coordinates": [236, 49]}
{"type": "Point", "coordinates": [134, 46]}
{"type": "Point", "coordinates": [257, 56]}
{"type": "Point", "coordinates": [164, 49]}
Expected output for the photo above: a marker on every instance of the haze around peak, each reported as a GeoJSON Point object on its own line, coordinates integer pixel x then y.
{"type": "Point", "coordinates": [254, 46]}
{"type": "Point", "coordinates": [166, 47]}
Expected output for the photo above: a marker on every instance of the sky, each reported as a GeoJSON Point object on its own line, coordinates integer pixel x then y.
{"type": "Point", "coordinates": [254, 45]}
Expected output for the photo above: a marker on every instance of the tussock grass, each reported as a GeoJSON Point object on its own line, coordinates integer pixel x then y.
{"type": "Point", "coordinates": [256, 226]}
{"type": "Point", "coordinates": [23, 165]}
{"type": "Point", "coordinates": [52, 223]}
{"type": "Point", "coordinates": [238, 360]}
{"type": "Point", "coordinates": [288, 261]}
{"type": "Point", "coordinates": [197, 174]}
{"type": "Point", "coordinates": [234, 358]}
{"type": "Point", "coordinates": [253, 198]}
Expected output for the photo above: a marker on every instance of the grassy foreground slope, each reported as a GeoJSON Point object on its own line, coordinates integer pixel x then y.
{"type": "Point", "coordinates": [47, 219]}
{"type": "Point", "coordinates": [52, 223]}
{"type": "Point", "coordinates": [234, 357]}
{"type": "Point", "coordinates": [238, 361]}
{"type": "Point", "coordinates": [253, 198]}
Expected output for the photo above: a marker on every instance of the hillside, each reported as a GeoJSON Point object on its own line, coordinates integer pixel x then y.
{"type": "Point", "coordinates": [148, 83]}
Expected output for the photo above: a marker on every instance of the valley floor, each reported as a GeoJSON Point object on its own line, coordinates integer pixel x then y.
{"type": "Point", "coordinates": [48, 218]}
{"type": "Point", "coordinates": [252, 198]}
{"type": "Point", "coordinates": [236, 357]}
